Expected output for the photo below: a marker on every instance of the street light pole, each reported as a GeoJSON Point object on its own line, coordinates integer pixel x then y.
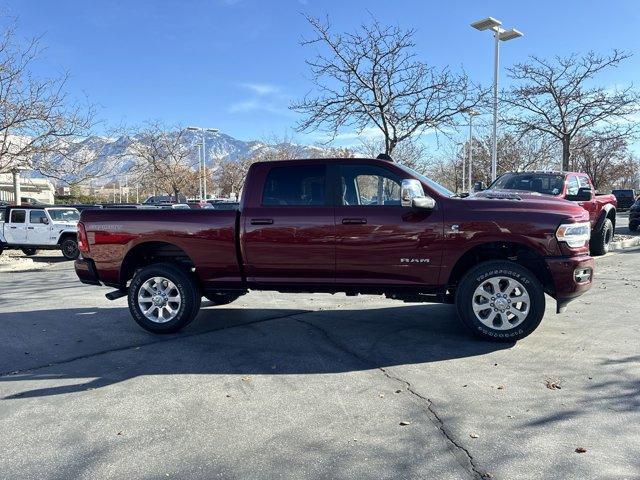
{"type": "Point", "coordinates": [472, 113]}
{"type": "Point", "coordinates": [202, 160]}
{"type": "Point", "coordinates": [500, 34]}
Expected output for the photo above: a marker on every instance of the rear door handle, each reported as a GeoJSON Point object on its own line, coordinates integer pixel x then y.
{"type": "Point", "coordinates": [261, 221]}
{"type": "Point", "coordinates": [13, 228]}
{"type": "Point", "coordinates": [354, 221]}
{"type": "Point", "coordinates": [29, 228]}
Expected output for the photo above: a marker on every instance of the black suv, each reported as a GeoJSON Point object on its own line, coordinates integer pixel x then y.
{"type": "Point", "coordinates": [625, 198]}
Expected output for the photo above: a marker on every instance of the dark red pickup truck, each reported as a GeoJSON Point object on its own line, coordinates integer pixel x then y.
{"type": "Point", "coordinates": [359, 226]}
{"type": "Point", "coordinates": [572, 186]}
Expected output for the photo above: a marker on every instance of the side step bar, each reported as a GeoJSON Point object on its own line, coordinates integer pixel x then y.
{"type": "Point", "coordinates": [116, 294]}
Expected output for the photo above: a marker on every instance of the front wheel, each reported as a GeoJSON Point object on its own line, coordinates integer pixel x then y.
{"type": "Point", "coordinates": [633, 226]}
{"type": "Point", "coordinates": [163, 298]}
{"type": "Point", "coordinates": [69, 248]}
{"type": "Point", "coordinates": [29, 251]}
{"type": "Point", "coordinates": [601, 239]}
{"type": "Point", "coordinates": [500, 301]}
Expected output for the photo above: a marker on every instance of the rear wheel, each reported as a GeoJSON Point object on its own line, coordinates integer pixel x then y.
{"type": "Point", "coordinates": [69, 247]}
{"type": "Point", "coordinates": [222, 298]}
{"type": "Point", "coordinates": [500, 301]}
{"type": "Point", "coordinates": [601, 239]}
{"type": "Point", "coordinates": [29, 251]}
{"type": "Point", "coordinates": [163, 298]}
{"type": "Point", "coordinates": [633, 226]}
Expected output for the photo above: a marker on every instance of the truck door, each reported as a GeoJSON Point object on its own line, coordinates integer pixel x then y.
{"type": "Point", "coordinates": [289, 234]}
{"type": "Point", "coordinates": [38, 228]}
{"type": "Point", "coordinates": [378, 241]}
{"type": "Point", "coordinates": [15, 231]}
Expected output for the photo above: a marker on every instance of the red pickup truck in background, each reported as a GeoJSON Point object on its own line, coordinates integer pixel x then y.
{"type": "Point", "coordinates": [572, 186]}
{"type": "Point", "coordinates": [359, 226]}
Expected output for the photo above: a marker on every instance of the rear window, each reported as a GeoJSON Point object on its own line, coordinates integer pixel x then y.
{"type": "Point", "coordinates": [18, 216]}
{"type": "Point", "coordinates": [297, 185]}
{"type": "Point", "coordinates": [623, 193]}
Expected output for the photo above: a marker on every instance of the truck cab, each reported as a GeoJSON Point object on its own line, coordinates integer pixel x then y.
{"type": "Point", "coordinates": [32, 228]}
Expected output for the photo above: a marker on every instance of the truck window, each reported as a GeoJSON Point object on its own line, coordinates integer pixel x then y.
{"type": "Point", "coordinates": [296, 185]}
{"type": "Point", "coordinates": [18, 216]}
{"type": "Point", "coordinates": [36, 216]}
{"type": "Point", "coordinates": [369, 185]}
{"type": "Point", "coordinates": [583, 182]}
{"type": "Point", "coordinates": [572, 185]}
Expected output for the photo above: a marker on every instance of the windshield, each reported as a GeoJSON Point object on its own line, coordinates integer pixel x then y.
{"type": "Point", "coordinates": [434, 185]}
{"type": "Point", "coordinates": [64, 215]}
{"type": "Point", "coordinates": [547, 183]}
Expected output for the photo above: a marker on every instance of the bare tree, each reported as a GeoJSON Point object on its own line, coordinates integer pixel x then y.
{"type": "Point", "coordinates": [164, 157]}
{"type": "Point", "coordinates": [230, 174]}
{"type": "Point", "coordinates": [605, 161]}
{"type": "Point", "coordinates": [372, 79]}
{"type": "Point", "coordinates": [410, 152]}
{"type": "Point", "coordinates": [38, 121]}
{"type": "Point", "coordinates": [556, 98]}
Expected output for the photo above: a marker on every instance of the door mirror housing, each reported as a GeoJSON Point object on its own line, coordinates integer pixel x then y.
{"type": "Point", "coordinates": [584, 194]}
{"type": "Point", "coordinates": [44, 220]}
{"type": "Point", "coordinates": [412, 195]}
{"type": "Point", "coordinates": [479, 186]}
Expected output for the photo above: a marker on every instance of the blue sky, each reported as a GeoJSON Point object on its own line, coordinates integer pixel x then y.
{"type": "Point", "coordinates": [236, 64]}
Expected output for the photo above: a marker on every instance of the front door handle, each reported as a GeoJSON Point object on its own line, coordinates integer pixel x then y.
{"type": "Point", "coordinates": [354, 221]}
{"type": "Point", "coordinates": [29, 228]}
{"type": "Point", "coordinates": [261, 221]}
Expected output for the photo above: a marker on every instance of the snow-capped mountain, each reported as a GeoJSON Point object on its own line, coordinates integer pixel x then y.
{"type": "Point", "coordinates": [114, 155]}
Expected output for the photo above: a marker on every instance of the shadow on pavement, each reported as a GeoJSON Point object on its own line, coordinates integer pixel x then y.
{"type": "Point", "coordinates": [245, 341]}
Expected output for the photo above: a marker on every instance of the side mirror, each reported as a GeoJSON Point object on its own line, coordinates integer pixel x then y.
{"type": "Point", "coordinates": [584, 195]}
{"type": "Point", "coordinates": [479, 186]}
{"type": "Point", "coordinates": [44, 220]}
{"type": "Point", "coordinates": [412, 195]}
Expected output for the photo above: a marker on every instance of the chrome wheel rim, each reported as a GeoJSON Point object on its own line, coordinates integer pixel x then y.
{"type": "Point", "coordinates": [159, 300]}
{"type": "Point", "coordinates": [501, 303]}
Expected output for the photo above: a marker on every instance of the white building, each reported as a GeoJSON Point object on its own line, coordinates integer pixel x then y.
{"type": "Point", "coordinates": [40, 189]}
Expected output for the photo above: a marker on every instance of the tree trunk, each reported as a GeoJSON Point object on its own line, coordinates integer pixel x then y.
{"type": "Point", "coordinates": [566, 152]}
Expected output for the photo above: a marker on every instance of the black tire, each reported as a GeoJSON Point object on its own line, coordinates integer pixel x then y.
{"type": "Point", "coordinates": [478, 278]}
{"type": "Point", "coordinates": [600, 240]}
{"type": "Point", "coordinates": [633, 227]}
{"type": "Point", "coordinates": [185, 284]}
{"type": "Point", "coordinates": [69, 248]}
{"type": "Point", "coordinates": [222, 298]}
{"type": "Point", "coordinates": [29, 251]}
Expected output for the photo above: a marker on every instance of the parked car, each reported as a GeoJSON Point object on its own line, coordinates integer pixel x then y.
{"type": "Point", "coordinates": [30, 229]}
{"type": "Point", "coordinates": [164, 199]}
{"type": "Point", "coordinates": [309, 226]}
{"type": "Point", "coordinates": [225, 205]}
{"type": "Point", "coordinates": [634, 216]}
{"type": "Point", "coordinates": [624, 197]}
{"type": "Point", "coordinates": [572, 186]}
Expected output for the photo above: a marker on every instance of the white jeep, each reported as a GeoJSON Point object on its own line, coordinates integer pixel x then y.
{"type": "Point", "coordinates": [33, 228]}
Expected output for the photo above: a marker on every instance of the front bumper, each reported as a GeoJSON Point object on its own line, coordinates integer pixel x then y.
{"type": "Point", "coordinates": [572, 276]}
{"type": "Point", "coordinates": [86, 271]}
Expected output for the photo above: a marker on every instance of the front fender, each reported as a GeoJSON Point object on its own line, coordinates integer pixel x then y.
{"type": "Point", "coordinates": [604, 213]}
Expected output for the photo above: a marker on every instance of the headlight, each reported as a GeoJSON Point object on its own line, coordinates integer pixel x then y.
{"type": "Point", "coordinates": [574, 234]}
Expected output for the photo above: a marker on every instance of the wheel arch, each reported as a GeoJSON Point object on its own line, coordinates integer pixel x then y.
{"type": "Point", "coordinates": [608, 211]}
{"type": "Point", "coordinates": [64, 235]}
{"type": "Point", "coordinates": [516, 252]}
{"type": "Point", "coordinates": [150, 252]}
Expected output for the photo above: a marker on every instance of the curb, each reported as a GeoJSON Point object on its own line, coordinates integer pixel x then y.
{"type": "Point", "coordinates": [624, 244]}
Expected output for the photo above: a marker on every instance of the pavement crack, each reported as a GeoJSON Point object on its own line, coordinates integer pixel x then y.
{"type": "Point", "coordinates": [459, 451]}
{"type": "Point", "coordinates": [155, 342]}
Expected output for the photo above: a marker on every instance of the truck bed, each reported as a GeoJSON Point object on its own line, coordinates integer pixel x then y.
{"type": "Point", "coordinates": [207, 238]}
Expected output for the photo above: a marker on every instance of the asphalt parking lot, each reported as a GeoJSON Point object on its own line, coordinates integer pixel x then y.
{"type": "Point", "coordinates": [315, 386]}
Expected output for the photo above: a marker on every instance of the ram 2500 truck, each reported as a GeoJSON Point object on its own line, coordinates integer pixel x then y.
{"type": "Point", "coordinates": [572, 186]}
{"type": "Point", "coordinates": [359, 226]}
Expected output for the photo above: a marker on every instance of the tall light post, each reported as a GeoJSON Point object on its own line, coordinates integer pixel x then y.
{"type": "Point", "coordinates": [472, 113]}
{"type": "Point", "coordinates": [499, 34]}
{"type": "Point", "coordinates": [202, 161]}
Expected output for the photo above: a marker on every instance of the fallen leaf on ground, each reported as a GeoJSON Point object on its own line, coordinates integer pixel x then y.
{"type": "Point", "coordinates": [474, 435]}
{"type": "Point", "coordinates": [581, 450]}
{"type": "Point", "coordinates": [404, 424]}
{"type": "Point", "coordinates": [553, 384]}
